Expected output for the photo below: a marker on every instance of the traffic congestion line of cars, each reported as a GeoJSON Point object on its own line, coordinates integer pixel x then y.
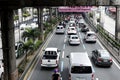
{"type": "Point", "coordinates": [80, 67]}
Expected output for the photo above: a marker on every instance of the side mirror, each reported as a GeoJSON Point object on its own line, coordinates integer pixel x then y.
{"type": "Point", "coordinates": [67, 56]}
{"type": "Point", "coordinates": [59, 50]}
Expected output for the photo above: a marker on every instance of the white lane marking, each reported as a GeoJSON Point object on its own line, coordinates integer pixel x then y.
{"type": "Point", "coordinates": [64, 46]}
{"type": "Point", "coordinates": [82, 41]}
{"type": "Point", "coordinates": [64, 40]}
{"type": "Point", "coordinates": [61, 66]}
{"type": "Point", "coordinates": [63, 54]}
{"type": "Point", "coordinates": [97, 79]}
{"type": "Point", "coordinates": [104, 48]}
{"type": "Point", "coordinates": [65, 36]}
{"type": "Point", "coordinates": [100, 44]}
{"type": "Point", "coordinates": [116, 64]}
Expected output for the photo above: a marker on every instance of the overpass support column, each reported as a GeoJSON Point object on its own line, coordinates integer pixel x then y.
{"type": "Point", "coordinates": [8, 44]}
{"type": "Point", "coordinates": [40, 22]}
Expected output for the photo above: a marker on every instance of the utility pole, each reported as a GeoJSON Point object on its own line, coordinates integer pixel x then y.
{"type": "Point", "coordinates": [117, 26]}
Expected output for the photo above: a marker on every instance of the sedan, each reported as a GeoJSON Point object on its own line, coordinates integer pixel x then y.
{"type": "Point", "coordinates": [74, 39]}
{"type": "Point", "coordinates": [101, 57]}
{"type": "Point", "coordinates": [84, 28]}
{"type": "Point", "coordinates": [72, 30]}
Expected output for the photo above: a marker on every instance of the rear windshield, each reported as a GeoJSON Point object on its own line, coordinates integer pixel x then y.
{"type": "Point", "coordinates": [91, 35]}
{"type": "Point", "coordinates": [59, 27]}
{"type": "Point", "coordinates": [75, 37]}
{"type": "Point", "coordinates": [50, 53]}
{"type": "Point", "coordinates": [49, 56]}
{"type": "Point", "coordinates": [81, 69]}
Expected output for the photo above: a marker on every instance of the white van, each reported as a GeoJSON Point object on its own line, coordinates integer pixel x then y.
{"type": "Point", "coordinates": [80, 67]}
{"type": "Point", "coordinates": [60, 29]}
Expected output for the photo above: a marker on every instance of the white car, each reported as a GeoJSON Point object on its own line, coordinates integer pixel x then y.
{"type": "Point", "coordinates": [1, 70]}
{"type": "Point", "coordinates": [24, 26]}
{"type": "Point", "coordinates": [50, 57]}
{"type": "Point", "coordinates": [72, 30]}
{"type": "Point", "coordinates": [74, 39]}
{"type": "Point", "coordinates": [60, 29]}
{"type": "Point", "coordinates": [90, 36]}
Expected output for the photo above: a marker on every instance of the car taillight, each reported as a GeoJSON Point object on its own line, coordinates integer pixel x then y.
{"type": "Point", "coordinates": [99, 59]}
{"type": "Point", "coordinates": [92, 76]}
{"type": "Point", "coordinates": [110, 60]}
{"type": "Point", "coordinates": [56, 62]}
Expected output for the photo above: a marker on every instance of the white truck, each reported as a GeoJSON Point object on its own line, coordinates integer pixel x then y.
{"type": "Point", "coordinates": [50, 57]}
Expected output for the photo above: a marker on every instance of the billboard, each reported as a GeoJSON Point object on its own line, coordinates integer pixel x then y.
{"type": "Point", "coordinates": [75, 9]}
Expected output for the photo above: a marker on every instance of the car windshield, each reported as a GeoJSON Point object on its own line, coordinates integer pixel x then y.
{"type": "Point", "coordinates": [81, 69]}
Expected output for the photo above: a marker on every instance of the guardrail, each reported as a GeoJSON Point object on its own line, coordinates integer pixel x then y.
{"type": "Point", "coordinates": [107, 37]}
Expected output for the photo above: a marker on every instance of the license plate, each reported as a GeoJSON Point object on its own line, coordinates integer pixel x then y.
{"type": "Point", "coordinates": [80, 78]}
{"type": "Point", "coordinates": [105, 60]}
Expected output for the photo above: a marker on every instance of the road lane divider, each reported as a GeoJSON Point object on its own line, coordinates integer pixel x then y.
{"type": "Point", "coordinates": [62, 66]}
{"type": "Point", "coordinates": [64, 40]}
{"type": "Point", "coordinates": [82, 41]}
{"type": "Point", "coordinates": [97, 79]}
{"type": "Point", "coordinates": [63, 54]}
{"type": "Point", "coordinates": [64, 46]}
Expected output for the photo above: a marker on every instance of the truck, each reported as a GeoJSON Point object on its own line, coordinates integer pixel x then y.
{"type": "Point", "coordinates": [50, 57]}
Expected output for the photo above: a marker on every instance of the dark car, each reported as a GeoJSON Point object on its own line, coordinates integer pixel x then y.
{"type": "Point", "coordinates": [84, 28]}
{"type": "Point", "coordinates": [101, 57]}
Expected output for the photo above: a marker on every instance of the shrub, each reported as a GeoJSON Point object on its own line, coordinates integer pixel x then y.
{"type": "Point", "coordinates": [37, 44]}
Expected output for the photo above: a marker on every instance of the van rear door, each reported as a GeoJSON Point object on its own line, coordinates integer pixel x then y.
{"type": "Point", "coordinates": [81, 73]}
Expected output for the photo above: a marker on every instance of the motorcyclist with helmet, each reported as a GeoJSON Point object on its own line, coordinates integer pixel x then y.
{"type": "Point", "coordinates": [56, 75]}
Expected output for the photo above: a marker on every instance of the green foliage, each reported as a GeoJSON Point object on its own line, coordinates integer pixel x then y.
{"type": "Point", "coordinates": [109, 39]}
{"type": "Point", "coordinates": [31, 33]}
{"type": "Point", "coordinates": [91, 15]}
{"type": "Point", "coordinates": [16, 17]}
{"type": "Point", "coordinates": [21, 69]}
{"type": "Point", "coordinates": [37, 44]}
{"type": "Point", "coordinates": [26, 14]}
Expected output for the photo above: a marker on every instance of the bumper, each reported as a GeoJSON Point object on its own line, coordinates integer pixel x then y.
{"type": "Point", "coordinates": [49, 65]}
{"type": "Point", "coordinates": [74, 42]}
{"type": "Point", "coordinates": [104, 63]}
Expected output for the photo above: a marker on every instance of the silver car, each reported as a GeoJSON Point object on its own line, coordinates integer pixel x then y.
{"type": "Point", "coordinates": [74, 39]}
{"type": "Point", "coordinates": [101, 57]}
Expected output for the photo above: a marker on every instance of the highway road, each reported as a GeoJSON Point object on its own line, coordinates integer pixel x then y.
{"type": "Point", "coordinates": [61, 42]}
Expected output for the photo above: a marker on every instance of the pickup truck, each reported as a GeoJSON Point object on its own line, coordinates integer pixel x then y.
{"type": "Point", "coordinates": [50, 57]}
